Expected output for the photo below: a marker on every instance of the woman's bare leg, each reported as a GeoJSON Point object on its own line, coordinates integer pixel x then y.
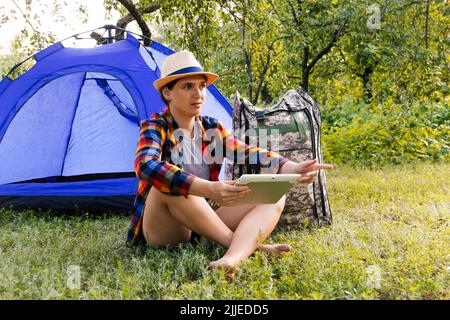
{"type": "Point", "coordinates": [251, 229]}
{"type": "Point", "coordinates": [170, 219]}
{"type": "Point", "coordinates": [159, 226]}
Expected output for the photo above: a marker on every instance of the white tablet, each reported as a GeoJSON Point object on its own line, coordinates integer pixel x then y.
{"type": "Point", "coordinates": [266, 188]}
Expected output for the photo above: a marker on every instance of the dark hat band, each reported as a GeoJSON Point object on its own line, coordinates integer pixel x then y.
{"type": "Point", "coordinates": [186, 70]}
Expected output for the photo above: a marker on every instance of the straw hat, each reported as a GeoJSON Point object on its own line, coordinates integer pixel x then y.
{"type": "Point", "coordinates": [179, 65]}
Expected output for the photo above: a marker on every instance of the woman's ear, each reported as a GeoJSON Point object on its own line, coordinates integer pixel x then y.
{"type": "Point", "coordinates": [166, 93]}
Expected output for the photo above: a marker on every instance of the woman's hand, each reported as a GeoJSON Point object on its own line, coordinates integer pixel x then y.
{"type": "Point", "coordinates": [222, 192]}
{"type": "Point", "coordinates": [308, 169]}
{"type": "Point", "coordinates": [225, 193]}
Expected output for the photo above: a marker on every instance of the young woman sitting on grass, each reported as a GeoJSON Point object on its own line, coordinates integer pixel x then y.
{"type": "Point", "coordinates": [177, 199]}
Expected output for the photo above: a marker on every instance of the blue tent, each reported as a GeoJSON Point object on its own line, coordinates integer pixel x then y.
{"type": "Point", "coordinates": [69, 125]}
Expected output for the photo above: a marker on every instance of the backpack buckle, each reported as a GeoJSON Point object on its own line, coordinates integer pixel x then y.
{"type": "Point", "coordinates": [260, 115]}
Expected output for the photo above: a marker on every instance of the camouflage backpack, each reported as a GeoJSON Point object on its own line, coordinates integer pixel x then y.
{"type": "Point", "coordinates": [297, 118]}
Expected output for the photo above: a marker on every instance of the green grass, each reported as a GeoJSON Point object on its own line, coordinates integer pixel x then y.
{"type": "Point", "coordinates": [390, 239]}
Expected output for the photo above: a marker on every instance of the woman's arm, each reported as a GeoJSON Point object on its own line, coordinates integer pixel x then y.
{"type": "Point", "coordinates": [222, 192]}
{"type": "Point", "coordinates": [308, 169]}
{"type": "Point", "coordinates": [171, 179]}
{"type": "Point", "coordinates": [278, 164]}
{"type": "Point", "coordinates": [238, 151]}
{"type": "Point", "coordinates": [149, 166]}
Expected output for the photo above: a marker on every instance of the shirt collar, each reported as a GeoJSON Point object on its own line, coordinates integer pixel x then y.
{"type": "Point", "coordinates": [172, 124]}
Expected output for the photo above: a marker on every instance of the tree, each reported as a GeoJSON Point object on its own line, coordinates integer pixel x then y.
{"type": "Point", "coordinates": [195, 21]}
{"type": "Point", "coordinates": [311, 29]}
{"type": "Point", "coordinates": [256, 37]}
{"type": "Point", "coordinates": [32, 37]}
{"type": "Point", "coordinates": [134, 12]}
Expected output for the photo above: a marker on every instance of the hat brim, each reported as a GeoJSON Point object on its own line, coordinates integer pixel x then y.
{"type": "Point", "coordinates": [160, 83]}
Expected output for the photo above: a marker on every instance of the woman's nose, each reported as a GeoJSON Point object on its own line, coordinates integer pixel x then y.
{"type": "Point", "coordinates": [198, 92]}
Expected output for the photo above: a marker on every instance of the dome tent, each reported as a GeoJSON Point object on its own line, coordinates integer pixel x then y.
{"type": "Point", "coordinates": [69, 126]}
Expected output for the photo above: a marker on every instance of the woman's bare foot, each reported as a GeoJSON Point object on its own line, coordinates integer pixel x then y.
{"type": "Point", "coordinates": [224, 263]}
{"type": "Point", "coordinates": [275, 250]}
{"type": "Point", "coordinates": [230, 265]}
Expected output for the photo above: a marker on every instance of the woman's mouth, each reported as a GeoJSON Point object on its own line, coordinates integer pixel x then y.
{"type": "Point", "coordinates": [196, 104]}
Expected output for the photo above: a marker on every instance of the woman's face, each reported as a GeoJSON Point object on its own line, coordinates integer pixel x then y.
{"type": "Point", "coordinates": [187, 96]}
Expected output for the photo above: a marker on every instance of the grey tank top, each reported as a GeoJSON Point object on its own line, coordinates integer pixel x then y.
{"type": "Point", "coordinates": [193, 161]}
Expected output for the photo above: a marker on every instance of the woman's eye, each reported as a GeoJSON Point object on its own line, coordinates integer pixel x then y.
{"type": "Point", "coordinates": [189, 86]}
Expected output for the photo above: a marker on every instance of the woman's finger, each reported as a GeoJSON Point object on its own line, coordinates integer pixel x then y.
{"type": "Point", "coordinates": [306, 179]}
{"type": "Point", "coordinates": [315, 167]}
{"type": "Point", "coordinates": [242, 188]}
{"type": "Point", "coordinates": [308, 162]}
{"type": "Point", "coordinates": [308, 176]}
{"type": "Point", "coordinates": [237, 188]}
{"type": "Point", "coordinates": [322, 166]}
{"type": "Point", "coordinates": [311, 173]}
{"type": "Point", "coordinates": [235, 196]}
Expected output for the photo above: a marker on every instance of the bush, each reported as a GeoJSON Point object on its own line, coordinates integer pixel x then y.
{"type": "Point", "coordinates": [388, 133]}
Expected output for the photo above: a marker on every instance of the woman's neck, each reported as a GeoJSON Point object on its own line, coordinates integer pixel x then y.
{"type": "Point", "coordinates": [183, 121]}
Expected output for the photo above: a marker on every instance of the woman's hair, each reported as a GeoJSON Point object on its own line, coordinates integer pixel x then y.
{"type": "Point", "coordinates": [170, 85]}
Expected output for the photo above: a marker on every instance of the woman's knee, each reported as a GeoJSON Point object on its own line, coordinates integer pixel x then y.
{"type": "Point", "coordinates": [274, 208]}
{"type": "Point", "coordinates": [164, 198]}
{"type": "Point", "coordinates": [156, 238]}
{"type": "Point", "coordinates": [280, 204]}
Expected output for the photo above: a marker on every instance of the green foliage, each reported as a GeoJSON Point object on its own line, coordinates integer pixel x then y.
{"type": "Point", "coordinates": [6, 63]}
{"type": "Point", "coordinates": [190, 25]}
{"type": "Point", "coordinates": [382, 85]}
{"type": "Point", "coordinates": [260, 52]}
{"type": "Point", "coordinates": [386, 134]}
{"type": "Point", "coordinates": [392, 220]}
{"type": "Point", "coordinates": [250, 49]}
{"type": "Point", "coordinates": [32, 37]}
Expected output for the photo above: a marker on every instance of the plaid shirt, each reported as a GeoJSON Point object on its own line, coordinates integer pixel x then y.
{"type": "Point", "coordinates": [155, 166]}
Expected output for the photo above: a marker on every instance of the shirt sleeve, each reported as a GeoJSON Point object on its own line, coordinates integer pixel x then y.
{"type": "Point", "coordinates": [241, 153]}
{"type": "Point", "coordinates": [149, 166]}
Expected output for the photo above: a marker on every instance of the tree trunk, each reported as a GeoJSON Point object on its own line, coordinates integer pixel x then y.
{"type": "Point", "coordinates": [266, 98]}
{"type": "Point", "coordinates": [305, 69]}
{"type": "Point", "coordinates": [136, 15]}
{"type": "Point", "coordinates": [262, 76]}
{"type": "Point", "coordinates": [366, 77]}
{"type": "Point", "coordinates": [427, 18]}
{"type": "Point", "coordinates": [248, 62]}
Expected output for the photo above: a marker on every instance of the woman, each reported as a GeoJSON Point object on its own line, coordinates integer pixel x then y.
{"type": "Point", "coordinates": [177, 198]}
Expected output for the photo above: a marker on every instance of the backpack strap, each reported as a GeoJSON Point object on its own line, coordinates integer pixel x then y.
{"type": "Point", "coordinates": [300, 125]}
{"type": "Point", "coordinates": [260, 118]}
